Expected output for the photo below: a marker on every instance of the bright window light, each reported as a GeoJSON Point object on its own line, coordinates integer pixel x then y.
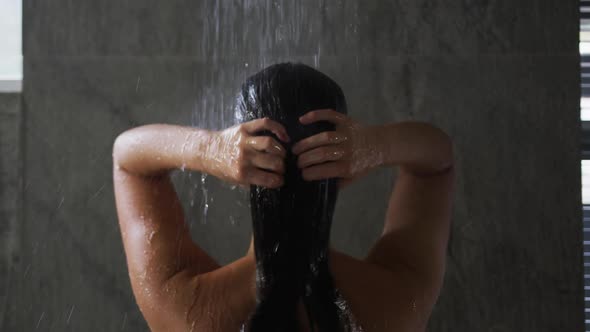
{"type": "Point", "coordinates": [585, 181]}
{"type": "Point", "coordinates": [11, 72]}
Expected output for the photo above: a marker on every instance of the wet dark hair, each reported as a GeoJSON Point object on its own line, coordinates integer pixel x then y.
{"type": "Point", "coordinates": [292, 224]}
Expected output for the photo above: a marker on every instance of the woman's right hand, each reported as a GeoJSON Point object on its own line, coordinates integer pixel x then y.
{"type": "Point", "coordinates": [238, 156]}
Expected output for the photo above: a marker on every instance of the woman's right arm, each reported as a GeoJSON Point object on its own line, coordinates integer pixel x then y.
{"type": "Point", "coordinates": [416, 228]}
{"type": "Point", "coordinates": [418, 217]}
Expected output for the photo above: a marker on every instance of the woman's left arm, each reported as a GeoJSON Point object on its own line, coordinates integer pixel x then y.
{"type": "Point", "coordinates": [161, 255]}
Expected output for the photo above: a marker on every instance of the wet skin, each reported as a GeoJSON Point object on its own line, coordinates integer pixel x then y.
{"type": "Point", "coordinates": [179, 287]}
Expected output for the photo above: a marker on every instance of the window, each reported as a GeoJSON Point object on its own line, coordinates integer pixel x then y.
{"type": "Point", "coordinates": [11, 72]}
{"type": "Point", "coordinates": [585, 117]}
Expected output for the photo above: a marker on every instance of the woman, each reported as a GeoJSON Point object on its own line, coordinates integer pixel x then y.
{"type": "Point", "coordinates": [295, 147]}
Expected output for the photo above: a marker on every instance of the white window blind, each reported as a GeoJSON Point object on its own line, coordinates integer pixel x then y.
{"type": "Point", "coordinates": [11, 71]}
{"type": "Point", "coordinates": [585, 117]}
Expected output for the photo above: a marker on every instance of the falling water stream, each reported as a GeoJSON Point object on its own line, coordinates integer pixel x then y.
{"type": "Point", "coordinates": [235, 42]}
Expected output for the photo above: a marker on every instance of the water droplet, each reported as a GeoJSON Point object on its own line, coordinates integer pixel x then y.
{"type": "Point", "coordinates": [205, 198]}
{"type": "Point", "coordinates": [124, 321]}
{"type": "Point", "coordinates": [151, 236]}
{"type": "Point", "coordinates": [205, 213]}
{"type": "Point", "coordinates": [70, 315]}
{"type": "Point", "coordinates": [40, 319]}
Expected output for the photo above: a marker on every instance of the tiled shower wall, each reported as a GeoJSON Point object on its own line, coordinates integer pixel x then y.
{"type": "Point", "coordinates": [10, 177]}
{"type": "Point", "coordinates": [501, 77]}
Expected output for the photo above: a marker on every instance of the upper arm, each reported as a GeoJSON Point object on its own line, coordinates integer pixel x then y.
{"type": "Point", "coordinates": [417, 227]}
{"type": "Point", "coordinates": [158, 246]}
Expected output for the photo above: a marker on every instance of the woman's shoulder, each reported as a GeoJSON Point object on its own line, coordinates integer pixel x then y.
{"type": "Point", "coordinates": [379, 299]}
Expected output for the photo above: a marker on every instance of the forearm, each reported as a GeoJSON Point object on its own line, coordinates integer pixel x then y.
{"type": "Point", "coordinates": [155, 149]}
{"type": "Point", "coordinates": [418, 147]}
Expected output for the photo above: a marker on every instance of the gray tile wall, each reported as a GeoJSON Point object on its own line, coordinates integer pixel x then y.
{"type": "Point", "coordinates": [500, 77]}
{"type": "Point", "coordinates": [10, 182]}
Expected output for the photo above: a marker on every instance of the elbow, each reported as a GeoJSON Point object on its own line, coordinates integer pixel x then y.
{"type": "Point", "coordinates": [117, 150]}
{"type": "Point", "coordinates": [447, 152]}
{"type": "Point", "coordinates": [121, 146]}
{"type": "Point", "coordinates": [444, 151]}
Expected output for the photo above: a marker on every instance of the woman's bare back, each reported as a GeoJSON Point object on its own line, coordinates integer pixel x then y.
{"type": "Point", "coordinates": [376, 299]}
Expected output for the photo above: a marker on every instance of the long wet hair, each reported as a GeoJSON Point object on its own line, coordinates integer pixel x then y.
{"type": "Point", "coordinates": [292, 224]}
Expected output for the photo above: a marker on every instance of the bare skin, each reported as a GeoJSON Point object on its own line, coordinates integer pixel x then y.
{"type": "Point", "coordinates": [179, 287]}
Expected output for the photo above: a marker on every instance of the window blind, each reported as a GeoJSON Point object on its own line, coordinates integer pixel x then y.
{"type": "Point", "coordinates": [585, 162]}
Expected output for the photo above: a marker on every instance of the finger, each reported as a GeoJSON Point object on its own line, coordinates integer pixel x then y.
{"type": "Point", "coordinates": [261, 178]}
{"type": "Point", "coordinates": [266, 144]}
{"type": "Point", "coordinates": [323, 115]}
{"type": "Point", "coordinates": [268, 162]}
{"type": "Point", "coordinates": [320, 155]}
{"type": "Point", "coordinates": [324, 138]}
{"type": "Point", "coordinates": [334, 169]}
{"type": "Point", "coordinates": [254, 126]}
